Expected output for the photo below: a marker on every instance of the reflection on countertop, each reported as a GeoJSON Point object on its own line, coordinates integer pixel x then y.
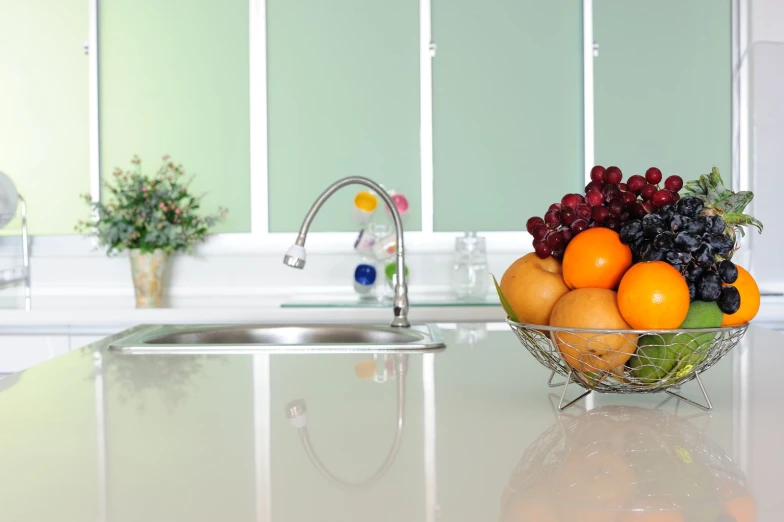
{"type": "Point", "coordinates": [6, 381]}
{"type": "Point", "coordinates": [624, 462]}
{"type": "Point", "coordinates": [297, 414]}
{"type": "Point", "coordinates": [467, 434]}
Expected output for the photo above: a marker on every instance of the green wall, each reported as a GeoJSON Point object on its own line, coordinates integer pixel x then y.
{"type": "Point", "coordinates": [507, 110]}
{"type": "Point", "coordinates": [44, 109]}
{"type": "Point", "coordinates": [174, 80]}
{"type": "Point", "coordinates": [343, 94]}
{"type": "Point", "coordinates": [663, 88]}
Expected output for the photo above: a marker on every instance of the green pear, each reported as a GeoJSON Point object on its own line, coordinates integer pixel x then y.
{"type": "Point", "coordinates": [659, 356]}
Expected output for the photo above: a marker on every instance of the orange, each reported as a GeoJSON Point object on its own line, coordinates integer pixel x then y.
{"type": "Point", "coordinates": [742, 508]}
{"type": "Point", "coordinates": [653, 296]}
{"type": "Point", "coordinates": [596, 258]}
{"type": "Point", "coordinates": [593, 308]}
{"type": "Point", "coordinates": [651, 516]}
{"type": "Point", "coordinates": [651, 509]}
{"type": "Point", "coordinates": [365, 369]}
{"type": "Point", "coordinates": [595, 480]}
{"type": "Point", "coordinates": [749, 299]}
{"type": "Point", "coordinates": [505, 496]}
{"type": "Point", "coordinates": [737, 502]}
{"type": "Point", "coordinates": [587, 514]}
{"type": "Point", "coordinates": [528, 508]}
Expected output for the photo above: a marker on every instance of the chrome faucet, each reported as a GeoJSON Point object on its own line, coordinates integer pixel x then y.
{"type": "Point", "coordinates": [296, 256]}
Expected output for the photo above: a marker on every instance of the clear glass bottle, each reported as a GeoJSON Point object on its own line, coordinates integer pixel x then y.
{"type": "Point", "coordinates": [470, 278]}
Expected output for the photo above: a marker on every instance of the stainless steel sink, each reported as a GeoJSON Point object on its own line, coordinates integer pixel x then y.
{"type": "Point", "coordinates": [280, 338]}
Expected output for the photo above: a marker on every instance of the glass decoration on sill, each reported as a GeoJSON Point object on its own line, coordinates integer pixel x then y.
{"type": "Point", "coordinates": [470, 278]}
{"type": "Point", "coordinates": [376, 244]}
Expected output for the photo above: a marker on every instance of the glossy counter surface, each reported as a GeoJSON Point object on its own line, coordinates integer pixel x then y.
{"type": "Point", "coordinates": [466, 434]}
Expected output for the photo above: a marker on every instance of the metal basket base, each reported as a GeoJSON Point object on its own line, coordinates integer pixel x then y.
{"type": "Point", "coordinates": [570, 378]}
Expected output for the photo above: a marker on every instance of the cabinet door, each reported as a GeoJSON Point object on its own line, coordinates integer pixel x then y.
{"type": "Point", "coordinates": [343, 95]}
{"type": "Point", "coordinates": [78, 341]}
{"type": "Point", "coordinates": [662, 86]}
{"type": "Point", "coordinates": [507, 110]}
{"type": "Point", "coordinates": [174, 80]}
{"type": "Point", "coordinates": [44, 144]}
{"type": "Point", "coordinates": [18, 352]}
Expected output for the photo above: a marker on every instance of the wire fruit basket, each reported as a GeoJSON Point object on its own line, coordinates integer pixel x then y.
{"type": "Point", "coordinates": [627, 361]}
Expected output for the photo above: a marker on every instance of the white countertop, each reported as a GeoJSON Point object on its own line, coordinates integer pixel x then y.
{"type": "Point", "coordinates": [96, 435]}
{"type": "Point", "coordinates": [110, 314]}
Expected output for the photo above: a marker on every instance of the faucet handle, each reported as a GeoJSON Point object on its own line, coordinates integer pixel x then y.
{"type": "Point", "coordinates": [400, 306]}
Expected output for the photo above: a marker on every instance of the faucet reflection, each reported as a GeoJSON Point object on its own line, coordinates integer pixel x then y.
{"type": "Point", "coordinates": [297, 413]}
{"type": "Point", "coordinates": [625, 464]}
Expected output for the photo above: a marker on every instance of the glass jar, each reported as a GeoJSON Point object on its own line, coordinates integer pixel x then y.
{"type": "Point", "coordinates": [470, 278]}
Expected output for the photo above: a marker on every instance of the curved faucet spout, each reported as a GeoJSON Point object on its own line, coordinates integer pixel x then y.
{"type": "Point", "coordinates": [295, 257]}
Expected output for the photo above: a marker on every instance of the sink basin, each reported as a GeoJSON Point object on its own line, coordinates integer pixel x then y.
{"type": "Point", "coordinates": [280, 338]}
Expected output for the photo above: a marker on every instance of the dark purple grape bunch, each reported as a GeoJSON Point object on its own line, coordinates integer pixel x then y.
{"type": "Point", "coordinates": [608, 202]}
{"type": "Point", "coordinates": [693, 244]}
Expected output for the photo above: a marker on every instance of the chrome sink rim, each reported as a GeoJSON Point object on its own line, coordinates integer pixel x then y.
{"type": "Point", "coordinates": [423, 338]}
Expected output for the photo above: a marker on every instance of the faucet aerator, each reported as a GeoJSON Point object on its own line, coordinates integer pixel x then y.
{"type": "Point", "coordinates": [295, 257]}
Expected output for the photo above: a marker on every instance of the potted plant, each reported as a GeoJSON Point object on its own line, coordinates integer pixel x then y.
{"type": "Point", "coordinates": [150, 216]}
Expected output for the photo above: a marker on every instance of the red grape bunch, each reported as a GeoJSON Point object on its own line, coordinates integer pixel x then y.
{"type": "Point", "coordinates": [608, 202]}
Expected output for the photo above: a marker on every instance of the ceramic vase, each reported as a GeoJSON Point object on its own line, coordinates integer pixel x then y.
{"type": "Point", "coordinates": [147, 269]}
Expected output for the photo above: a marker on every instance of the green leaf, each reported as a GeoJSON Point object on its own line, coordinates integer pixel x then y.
{"type": "Point", "coordinates": [736, 202]}
{"type": "Point", "coordinates": [719, 199]}
{"type": "Point", "coordinates": [709, 187]}
{"type": "Point", "coordinates": [743, 220]}
{"type": "Point", "coordinates": [715, 180]}
{"type": "Point", "coordinates": [504, 303]}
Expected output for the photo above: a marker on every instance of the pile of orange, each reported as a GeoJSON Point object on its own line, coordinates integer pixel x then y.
{"type": "Point", "coordinates": [597, 287]}
{"type": "Point", "coordinates": [650, 296]}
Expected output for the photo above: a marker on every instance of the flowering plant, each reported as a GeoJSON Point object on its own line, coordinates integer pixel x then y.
{"type": "Point", "coordinates": [148, 212]}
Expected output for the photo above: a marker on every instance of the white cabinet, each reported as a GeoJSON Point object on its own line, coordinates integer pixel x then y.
{"type": "Point", "coordinates": [18, 352]}
{"type": "Point", "coordinates": [78, 341]}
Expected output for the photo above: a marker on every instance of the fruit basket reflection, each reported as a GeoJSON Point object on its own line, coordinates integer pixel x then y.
{"type": "Point", "coordinates": [627, 463]}
{"type": "Point", "coordinates": [627, 361]}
